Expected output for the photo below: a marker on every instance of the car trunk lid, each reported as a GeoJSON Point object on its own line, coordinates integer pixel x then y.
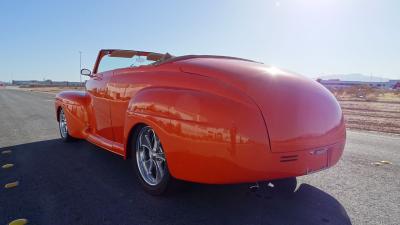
{"type": "Point", "coordinates": [299, 113]}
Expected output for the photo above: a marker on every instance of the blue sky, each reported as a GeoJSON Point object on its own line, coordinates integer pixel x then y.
{"type": "Point", "coordinates": [41, 39]}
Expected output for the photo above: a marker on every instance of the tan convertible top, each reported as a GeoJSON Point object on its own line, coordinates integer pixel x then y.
{"type": "Point", "coordinates": [152, 56]}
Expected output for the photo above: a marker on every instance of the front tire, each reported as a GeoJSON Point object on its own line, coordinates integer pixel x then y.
{"type": "Point", "coordinates": [149, 161]}
{"type": "Point", "coordinates": [63, 126]}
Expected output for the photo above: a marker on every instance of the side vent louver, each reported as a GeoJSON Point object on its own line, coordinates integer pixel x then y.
{"type": "Point", "coordinates": [289, 158]}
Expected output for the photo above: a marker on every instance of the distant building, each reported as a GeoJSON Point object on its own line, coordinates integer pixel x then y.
{"type": "Point", "coordinates": [45, 83]}
{"type": "Point", "coordinates": [336, 83]}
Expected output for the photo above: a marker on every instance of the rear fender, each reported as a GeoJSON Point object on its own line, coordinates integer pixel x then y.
{"type": "Point", "coordinates": [202, 132]}
{"type": "Point", "coordinates": [76, 105]}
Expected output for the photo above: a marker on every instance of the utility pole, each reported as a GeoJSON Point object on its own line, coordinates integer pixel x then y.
{"type": "Point", "coordinates": [80, 65]}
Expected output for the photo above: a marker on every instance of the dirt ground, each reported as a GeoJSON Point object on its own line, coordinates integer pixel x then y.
{"type": "Point", "coordinates": [372, 116]}
{"type": "Point", "coordinates": [364, 108]}
{"type": "Point", "coordinates": [370, 109]}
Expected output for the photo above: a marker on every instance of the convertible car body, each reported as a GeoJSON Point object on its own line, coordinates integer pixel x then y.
{"type": "Point", "coordinates": [209, 119]}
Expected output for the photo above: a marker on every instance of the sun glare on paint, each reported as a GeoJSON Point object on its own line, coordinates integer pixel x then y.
{"type": "Point", "coordinates": [274, 71]}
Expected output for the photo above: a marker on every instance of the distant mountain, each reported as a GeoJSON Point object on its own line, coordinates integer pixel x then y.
{"type": "Point", "coordinates": [354, 77]}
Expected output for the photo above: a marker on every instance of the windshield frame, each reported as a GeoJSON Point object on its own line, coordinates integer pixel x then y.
{"type": "Point", "coordinates": [118, 53]}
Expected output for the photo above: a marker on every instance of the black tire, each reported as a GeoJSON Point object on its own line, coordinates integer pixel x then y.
{"type": "Point", "coordinates": [64, 135]}
{"type": "Point", "coordinates": [167, 183]}
{"type": "Point", "coordinates": [286, 185]}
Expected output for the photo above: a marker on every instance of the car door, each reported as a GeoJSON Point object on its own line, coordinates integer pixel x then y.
{"type": "Point", "coordinates": [122, 87]}
{"type": "Point", "coordinates": [97, 87]}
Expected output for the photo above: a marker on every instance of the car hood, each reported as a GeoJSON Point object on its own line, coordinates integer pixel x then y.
{"type": "Point", "coordinates": [299, 112]}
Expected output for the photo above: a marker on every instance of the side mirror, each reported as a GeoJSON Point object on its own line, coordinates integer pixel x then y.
{"type": "Point", "coordinates": [86, 72]}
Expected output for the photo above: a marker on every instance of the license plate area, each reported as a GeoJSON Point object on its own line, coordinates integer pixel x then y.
{"type": "Point", "coordinates": [317, 160]}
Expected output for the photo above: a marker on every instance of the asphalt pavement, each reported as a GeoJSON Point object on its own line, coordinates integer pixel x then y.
{"type": "Point", "coordinates": [79, 183]}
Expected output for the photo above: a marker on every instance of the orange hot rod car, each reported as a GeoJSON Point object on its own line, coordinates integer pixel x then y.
{"type": "Point", "coordinates": [201, 118]}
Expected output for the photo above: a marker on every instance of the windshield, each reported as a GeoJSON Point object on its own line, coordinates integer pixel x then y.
{"type": "Point", "coordinates": [117, 59]}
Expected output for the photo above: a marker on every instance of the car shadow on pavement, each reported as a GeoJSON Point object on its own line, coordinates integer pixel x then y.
{"type": "Point", "coordinates": [79, 183]}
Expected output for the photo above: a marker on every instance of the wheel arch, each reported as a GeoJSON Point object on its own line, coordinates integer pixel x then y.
{"type": "Point", "coordinates": [58, 109]}
{"type": "Point", "coordinates": [75, 105]}
{"type": "Point", "coordinates": [131, 138]}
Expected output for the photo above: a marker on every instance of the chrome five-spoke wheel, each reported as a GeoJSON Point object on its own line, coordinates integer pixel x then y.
{"type": "Point", "coordinates": [63, 125]}
{"type": "Point", "coordinates": [150, 157]}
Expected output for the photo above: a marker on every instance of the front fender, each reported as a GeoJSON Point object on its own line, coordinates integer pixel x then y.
{"type": "Point", "coordinates": [76, 106]}
{"type": "Point", "coordinates": [203, 132]}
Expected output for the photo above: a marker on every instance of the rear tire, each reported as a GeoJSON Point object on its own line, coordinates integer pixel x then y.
{"type": "Point", "coordinates": [63, 126]}
{"type": "Point", "coordinates": [286, 185]}
{"type": "Point", "coordinates": [149, 162]}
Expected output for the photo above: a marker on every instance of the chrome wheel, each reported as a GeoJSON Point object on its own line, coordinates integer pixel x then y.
{"type": "Point", "coordinates": [63, 125]}
{"type": "Point", "coordinates": [150, 157]}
